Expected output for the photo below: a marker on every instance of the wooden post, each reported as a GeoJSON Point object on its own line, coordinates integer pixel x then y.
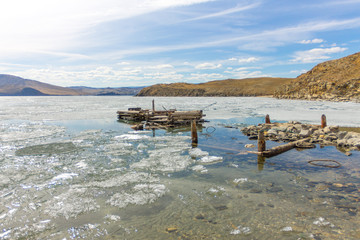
{"type": "Point", "coordinates": [260, 163]}
{"type": "Point", "coordinates": [153, 106]}
{"type": "Point", "coordinates": [261, 142]}
{"type": "Point", "coordinates": [267, 119]}
{"type": "Point", "coordinates": [323, 121]}
{"type": "Point", "coordinates": [194, 136]}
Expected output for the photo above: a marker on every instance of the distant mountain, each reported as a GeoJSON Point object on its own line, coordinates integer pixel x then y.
{"type": "Point", "coordinates": [16, 86]}
{"type": "Point", "coordinates": [335, 80]}
{"type": "Point", "coordinates": [221, 88]}
{"type": "Point", "coordinates": [107, 91]}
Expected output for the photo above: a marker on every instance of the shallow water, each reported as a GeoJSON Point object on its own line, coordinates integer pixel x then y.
{"type": "Point", "coordinates": [69, 170]}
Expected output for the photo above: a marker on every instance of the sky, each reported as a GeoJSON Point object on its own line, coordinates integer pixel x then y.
{"type": "Point", "coordinates": [122, 43]}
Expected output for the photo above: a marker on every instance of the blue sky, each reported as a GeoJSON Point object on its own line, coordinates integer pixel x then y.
{"type": "Point", "coordinates": [116, 43]}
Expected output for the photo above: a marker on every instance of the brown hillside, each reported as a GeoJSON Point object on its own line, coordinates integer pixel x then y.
{"type": "Point", "coordinates": [12, 85]}
{"type": "Point", "coordinates": [229, 87]}
{"type": "Point", "coordinates": [336, 80]}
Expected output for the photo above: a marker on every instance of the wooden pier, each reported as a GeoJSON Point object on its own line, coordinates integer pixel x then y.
{"type": "Point", "coordinates": [160, 119]}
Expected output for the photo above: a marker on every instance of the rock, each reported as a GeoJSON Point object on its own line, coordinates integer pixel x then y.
{"type": "Point", "coordinates": [249, 145]}
{"type": "Point", "coordinates": [348, 153]}
{"type": "Point", "coordinates": [304, 133]}
{"type": "Point", "coordinates": [171, 229]}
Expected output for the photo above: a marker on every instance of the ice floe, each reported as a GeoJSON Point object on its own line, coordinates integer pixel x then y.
{"type": "Point", "coordinates": [139, 195]}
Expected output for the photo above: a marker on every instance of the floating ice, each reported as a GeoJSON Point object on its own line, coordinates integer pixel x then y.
{"type": "Point", "coordinates": [128, 178]}
{"type": "Point", "coordinates": [240, 230]}
{"type": "Point", "coordinates": [71, 203]}
{"type": "Point", "coordinates": [113, 218]}
{"type": "Point", "coordinates": [210, 160]}
{"type": "Point", "coordinates": [199, 168]}
{"type": "Point", "coordinates": [240, 180]}
{"type": "Point", "coordinates": [64, 176]}
{"type": "Point", "coordinates": [4, 180]}
{"type": "Point", "coordinates": [132, 137]}
{"type": "Point", "coordinates": [286, 229]}
{"type": "Point", "coordinates": [164, 160]}
{"type": "Point", "coordinates": [321, 222]}
{"type": "Point", "coordinates": [48, 149]}
{"type": "Point", "coordinates": [197, 153]}
{"type": "Point", "coordinates": [139, 195]}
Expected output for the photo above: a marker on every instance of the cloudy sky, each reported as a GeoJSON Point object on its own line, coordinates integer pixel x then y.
{"type": "Point", "coordinates": [116, 43]}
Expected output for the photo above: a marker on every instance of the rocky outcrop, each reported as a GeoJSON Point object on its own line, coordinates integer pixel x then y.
{"type": "Point", "coordinates": [293, 131]}
{"type": "Point", "coordinates": [336, 80]}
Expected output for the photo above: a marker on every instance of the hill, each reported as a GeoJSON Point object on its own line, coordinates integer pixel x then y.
{"type": "Point", "coordinates": [16, 86]}
{"type": "Point", "coordinates": [107, 91]}
{"type": "Point", "coordinates": [220, 88]}
{"type": "Point", "coordinates": [335, 80]}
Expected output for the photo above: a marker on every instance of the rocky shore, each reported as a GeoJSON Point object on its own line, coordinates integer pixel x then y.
{"type": "Point", "coordinates": [293, 131]}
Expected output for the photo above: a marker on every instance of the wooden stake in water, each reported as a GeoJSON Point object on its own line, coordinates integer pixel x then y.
{"type": "Point", "coordinates": [323, 121]}
{"type": "Point", "coordinates": [153, 105]}
{"type": "Point", "coordinates": [267, 119]}
{"type": "Point", "coordinates": [261, 142]}
{"type": "Point", "coordinates": [194, 135]}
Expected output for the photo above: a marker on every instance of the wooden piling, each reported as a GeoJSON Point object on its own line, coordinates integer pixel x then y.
{"type": "Point", "coordinates": [267, 119]}
{"type": "Point", "coordinates": [194, 135]}
{"type": "Point", "coordinates": [323, 121]}
{"type": "Point", "coordinates": [261, 142]}
{"type": "Point", "coordinates": [278, 149]}
{"type": "Point", "coordinates": [153, 105]}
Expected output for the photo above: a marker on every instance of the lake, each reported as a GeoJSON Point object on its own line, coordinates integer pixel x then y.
{"type": "Point", "coordinates": [70, 170]}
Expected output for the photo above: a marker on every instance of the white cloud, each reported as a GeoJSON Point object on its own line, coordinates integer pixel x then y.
{"type": "Point", "coordinates": [201, 77]}
{"type": "Point", "coordinates": [208, 66]}
{"type": "Point", "coordinates": [236, 9]}
{"type": "Point", "coordinates": [316, 54]}
{"type": "Point", "coordinates": [43, 25]}
{"type": "Point", "coordinates": [248, 60]}
{"type": "Point", "coordinates": [315, 40]}
{"type": "Point", "coordinates": [232, 59]}
{"type": "Point", "coordinates": [161, 66]}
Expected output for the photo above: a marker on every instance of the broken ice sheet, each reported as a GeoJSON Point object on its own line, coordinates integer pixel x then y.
{"type": "Point", "coordinates": [210, 160]}
{"type": "Point", "coordinates": [140, 194]}
{"type": "Point", "coordinates": [164, 160]}
{"type": "Point", "coordinates": [199, 168]}
{"type": "Point", "coordinates": [71, 203]}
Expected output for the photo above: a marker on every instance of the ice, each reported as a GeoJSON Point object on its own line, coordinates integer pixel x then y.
{"type": "Point", "coordinates": [24, 132]}
{"type": "Point", "coordinates": [71, 203]}
{"type": "Point", "coordinates": [286, 229]}
{"type": "Point", "coordinates": [197, 153]}
{"type": "Point", "coordinates": [139, 195]}
{"type": "Point", "coordinates": [4, 180]}
{"type": "Point", "coordinates": [199, 168]}
{"type": "Point", "coordinates": [240, 230]}
{"type": "Point", "coordinates": [321, 222]}
{"type": "Point", "coordinates": [64, 176]}
{"type": "Point", "coordinates": [210, 160]}
{"type": "Point", "coordinates": [47, 149]}
{"type": "Point", "coordinates": [240, 180]}
{"type": "Point", "coordinates": [164, 160]}
{"type": "Point", "coordinates": [131, 137]}
{"type": "Point", "coordinates": [4, 234]}
{"type": "Point", "coordinates": [126, 179]}
{"type": "Point", "coordinates": [113, 218]}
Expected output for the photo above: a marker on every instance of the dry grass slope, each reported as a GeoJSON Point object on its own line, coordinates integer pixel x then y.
{"type": "Point", "coordinates": [226, 88]}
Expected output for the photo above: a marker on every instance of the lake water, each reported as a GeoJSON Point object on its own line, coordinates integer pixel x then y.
{"type": "Point", "coordinates": [70, 170]}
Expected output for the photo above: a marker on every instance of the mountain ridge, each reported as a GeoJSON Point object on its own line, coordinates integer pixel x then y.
{"type": "Point", "coordinates": [11, 85]}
